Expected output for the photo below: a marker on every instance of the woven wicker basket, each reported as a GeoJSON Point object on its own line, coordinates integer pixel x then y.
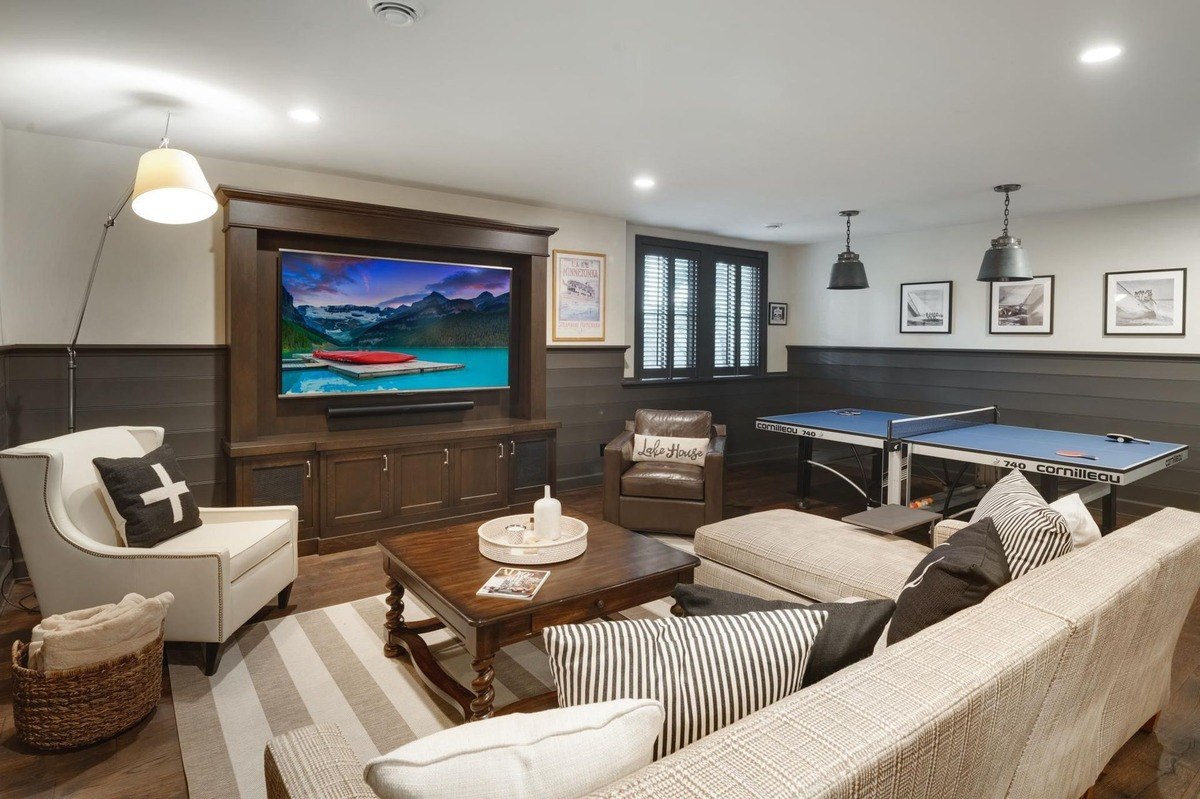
{"type": "Point", "coordinates": [77, 707]}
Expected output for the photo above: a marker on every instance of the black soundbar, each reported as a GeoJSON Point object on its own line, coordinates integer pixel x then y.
{"type": "Point", "coordinates": [388, 410]}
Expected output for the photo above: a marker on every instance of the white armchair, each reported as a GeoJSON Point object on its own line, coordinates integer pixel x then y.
{"type": "Point", "coordinates": [221, 573]}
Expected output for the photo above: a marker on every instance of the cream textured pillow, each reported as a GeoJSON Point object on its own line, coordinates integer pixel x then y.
{"type": "Point", "coordinates": [556, 754]}
{"type": "Point", "coordinates": [664, 449]}
{"type": "Point", "coordinates": [1083, 527]}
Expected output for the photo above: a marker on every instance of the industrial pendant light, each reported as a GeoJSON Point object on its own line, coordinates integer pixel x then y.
{"type": "Point", "coordinates": [848, 272]}
{"type": "Point", "coordinates": [1005, 261]}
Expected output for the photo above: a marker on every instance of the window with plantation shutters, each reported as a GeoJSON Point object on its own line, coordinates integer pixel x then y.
{"type": "Point", "coordinates": [700, 310]}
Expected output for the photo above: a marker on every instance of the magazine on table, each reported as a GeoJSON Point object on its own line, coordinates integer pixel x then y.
{"type": "Point", "coordinates": [509, 583]}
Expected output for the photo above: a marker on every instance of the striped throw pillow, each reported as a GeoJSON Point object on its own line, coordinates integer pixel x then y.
{"type": "Point", "coordinates": [707, 671]}
{"type": "Point", "coordinates": [1033, 533]}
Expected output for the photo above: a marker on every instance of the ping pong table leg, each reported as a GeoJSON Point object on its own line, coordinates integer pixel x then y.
{"type": "Point", "coordinates": [1108, 511]}
{"type": "Point", "coordinates": [804, 451]}
{"type": "Point", "coordinates": [875, 489]}
{"type": "Point", "coordinates": [897, 473]}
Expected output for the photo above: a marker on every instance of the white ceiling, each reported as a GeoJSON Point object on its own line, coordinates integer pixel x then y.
{"type": "Point", "coordinates": [745, 112]}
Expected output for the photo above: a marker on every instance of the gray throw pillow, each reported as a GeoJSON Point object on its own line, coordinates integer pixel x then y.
{"type": "Point", "coordinates": [848, 635]}
{"type": "Point", "coordinates": [148, 497]}
{"type": "Point", "coordinates": [952, 577]}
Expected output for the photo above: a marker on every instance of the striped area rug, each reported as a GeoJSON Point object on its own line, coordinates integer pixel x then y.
{"type": "Point", "coordinates": [328, 666]}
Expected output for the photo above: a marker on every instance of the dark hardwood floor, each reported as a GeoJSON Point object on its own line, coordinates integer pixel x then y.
{"type": "Point", "coordinates": [145, 762]}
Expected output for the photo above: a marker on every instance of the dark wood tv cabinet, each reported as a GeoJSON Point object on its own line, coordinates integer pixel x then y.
{"type": "Point", "coordinates": [353, 487]}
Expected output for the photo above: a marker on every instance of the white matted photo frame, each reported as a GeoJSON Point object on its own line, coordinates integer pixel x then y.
{"type": "Point", "coordinates": [577, 280]}
{"type": "Point", "coordinates": [1149, 302]}
{"type": "Point", "coordinates": [1022, 306]}
{"type": "Point", "coordinates": [926, 307]}
{"type": "Point", "coordinates": [777, 313]}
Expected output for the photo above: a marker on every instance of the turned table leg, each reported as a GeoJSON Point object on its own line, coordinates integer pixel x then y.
{"type": "Point", "coordinates": [394, 620]}
{"type": "Point", "coordinates": [481, 705]}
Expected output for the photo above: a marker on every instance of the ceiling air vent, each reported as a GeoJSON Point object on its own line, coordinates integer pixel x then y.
{"type": "Point", "coordinates": [395, 13]}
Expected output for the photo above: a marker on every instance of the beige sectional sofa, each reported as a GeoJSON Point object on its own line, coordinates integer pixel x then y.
{"type": "Point", "coordinates": [1028, 694]}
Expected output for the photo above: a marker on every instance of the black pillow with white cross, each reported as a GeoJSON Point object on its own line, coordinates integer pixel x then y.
{"type": "Point", "coordinates": [148, 497]}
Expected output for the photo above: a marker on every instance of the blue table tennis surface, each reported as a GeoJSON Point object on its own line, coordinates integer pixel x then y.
{"type": "Point", "coordinates": [866, 423]}
{"type": "Point", "coordinates": [1002, 440]}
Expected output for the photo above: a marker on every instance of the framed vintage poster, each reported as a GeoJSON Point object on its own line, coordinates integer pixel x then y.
{"type": "Point", "coordinates": [1146, 303]}
{"type": "Point", "coordinates": [926, 307]}
{"type": "Point", "coordinates": [578, 279]}
{"type": "Point", "coordinates": [777, 313]}
{"type": "Point", "coordinates": [1022, 306]}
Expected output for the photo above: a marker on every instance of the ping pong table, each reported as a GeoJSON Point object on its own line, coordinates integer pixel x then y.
{"type": "Point", "coordinates": [973, 437]}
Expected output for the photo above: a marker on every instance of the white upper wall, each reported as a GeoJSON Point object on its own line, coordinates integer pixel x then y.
{"type": "Point", "coordinates": [1076, 247]}
{"type": "Point", "coordinates": [161, 284]}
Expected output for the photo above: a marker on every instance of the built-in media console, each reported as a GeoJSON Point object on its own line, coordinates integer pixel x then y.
{"type": "Point", "coordinates": [386, 366]}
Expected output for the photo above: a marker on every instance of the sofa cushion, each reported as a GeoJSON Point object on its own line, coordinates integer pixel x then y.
{"type": "Point", "coordinates": [848, 635]}
{"type": "Point", "coordinates": [679, 424]}
{"type": "Point", "coordinates": [952, 577]}
{"type": "Point", "coordinates": [1080, 521]}
{"type": "Point", "coordinates": [663, 481]}
{"type": "Point", "coordinates": [555, 754]}
{"type": "Point", "coordinates": [708, 671]}
{"type": "Point", "coordinates": [248, 542]}
{"type": "Point", "coordinates": [147, 496]}
{"type": "Point", "coordinates": [1033, 533]}
{"type": "Point", "coordinates": [823, 559]}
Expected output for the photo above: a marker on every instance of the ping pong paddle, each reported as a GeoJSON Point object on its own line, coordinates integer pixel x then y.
{"type": "Point", "coordinates": [848, 412]}
{"type": "Point", "coordinates": [1074, 453]}
{"type": "Point", "coordinates": [1123, 438]}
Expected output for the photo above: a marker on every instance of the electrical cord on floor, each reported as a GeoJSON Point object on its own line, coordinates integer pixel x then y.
{"type": "Point", "coordinates": [5, 594]}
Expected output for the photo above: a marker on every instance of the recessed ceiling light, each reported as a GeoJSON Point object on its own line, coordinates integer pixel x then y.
{"type": "Point", "coordinates": [1100, 53]}
{"type": "Point", "coordinates": [305, 115]}
{"type": "Point", "coordinates": [644, 182]}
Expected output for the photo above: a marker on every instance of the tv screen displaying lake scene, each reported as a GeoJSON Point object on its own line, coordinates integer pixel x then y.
{"type": "Point", "coordinates": [357, 324]}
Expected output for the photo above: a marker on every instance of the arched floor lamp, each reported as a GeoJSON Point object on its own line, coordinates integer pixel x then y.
{"type": "Point", "coordinates": [170, 189]}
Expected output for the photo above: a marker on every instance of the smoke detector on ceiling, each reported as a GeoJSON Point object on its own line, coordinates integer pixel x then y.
{"type": "Point", "coordinates": [395, 13]}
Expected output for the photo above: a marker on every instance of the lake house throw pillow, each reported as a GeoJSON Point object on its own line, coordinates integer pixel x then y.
{"type": "Point", "coordinates": [664, 449]}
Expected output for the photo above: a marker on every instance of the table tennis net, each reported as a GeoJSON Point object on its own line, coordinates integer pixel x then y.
{"type": "Point", "coordinates": [924, 425]}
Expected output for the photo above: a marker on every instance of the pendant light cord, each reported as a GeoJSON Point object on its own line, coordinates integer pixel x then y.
{"type": "Point", "coordinates": [1005, 213]}
{"type": "Point", "coordinates": [847, 234]}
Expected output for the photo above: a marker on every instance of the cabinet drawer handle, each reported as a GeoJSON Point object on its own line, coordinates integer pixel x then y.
{"type": "Point", "coordinates": [499, 449]}
{"type": "Point", "coordinates": [512, 448]}
{"type": "Point", "coordinates": [385, 463]}
{"type": "Point", "coordinates": [445, 457]}
{"type": "Point", "coordinates": [308, 470]}
{"type": "Point", "coordinates": [599, 604]}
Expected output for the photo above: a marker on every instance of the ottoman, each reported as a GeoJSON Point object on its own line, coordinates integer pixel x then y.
{"type": "Point", "coordinates": [787, 554]}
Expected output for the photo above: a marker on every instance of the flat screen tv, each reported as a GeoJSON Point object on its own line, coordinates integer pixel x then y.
{"type": "Point", "coordinates": [353, 324]}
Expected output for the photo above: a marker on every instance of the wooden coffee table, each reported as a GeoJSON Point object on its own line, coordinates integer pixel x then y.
{"type": "Point", "coordinates": [443, 569]}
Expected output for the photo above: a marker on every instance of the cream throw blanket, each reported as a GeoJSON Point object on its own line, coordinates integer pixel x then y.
{"type": "Point", "coordinates": [93, 635]}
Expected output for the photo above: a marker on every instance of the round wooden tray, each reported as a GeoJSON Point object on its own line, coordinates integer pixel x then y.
{"type": "Point", "coordinates": [496, 543]}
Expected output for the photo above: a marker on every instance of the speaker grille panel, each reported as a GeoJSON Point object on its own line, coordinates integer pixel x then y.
{"type": "Point", "coordinates": [532, 464]}
{"type": "Point", "coordinates": [278, 485]}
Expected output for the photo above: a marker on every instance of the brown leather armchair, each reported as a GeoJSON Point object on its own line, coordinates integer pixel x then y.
{"type": "Point", "coordinates": [665, 497]}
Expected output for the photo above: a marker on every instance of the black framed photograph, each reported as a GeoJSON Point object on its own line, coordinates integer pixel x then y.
{"type": "Point", "coordinates": [1149, 302]}
{"type": "Point", "coordinates": [926, 307]}
{"type": "Point", "coordinates": [1022, 306]}
{"type": "Point", "coordinates": [777, 313]}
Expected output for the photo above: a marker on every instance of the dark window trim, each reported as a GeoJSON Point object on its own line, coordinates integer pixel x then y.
{"type": "Point", "coordinates": [705, 308]}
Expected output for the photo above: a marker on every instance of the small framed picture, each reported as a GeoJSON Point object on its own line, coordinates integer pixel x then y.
{"type": "Point", "coordinates": [926, 307]}
{"type": "Point", "coordinates": [1022, 306]}
{"type": "Point", "coordinates": [777, 313]}
{"type": "Point", "coordinates": [1146, 303]}
{"type": "Point", "coordinates": [578, 286]}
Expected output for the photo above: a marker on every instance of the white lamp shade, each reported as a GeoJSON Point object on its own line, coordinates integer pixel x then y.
{"type": "Point", "coordinates": [171, 188]}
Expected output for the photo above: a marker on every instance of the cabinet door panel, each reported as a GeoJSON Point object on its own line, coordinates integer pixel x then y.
{"type": "Point", "coordinates": [481, 471]}
{"type": "Point", "coordinates": [422, 480]}
{"type": "Point", "coordinates": [358, 488]}
{"type": "Point", "coordinates": [282, 480]}
{"type": "Point", "coordinates": [530, 466]}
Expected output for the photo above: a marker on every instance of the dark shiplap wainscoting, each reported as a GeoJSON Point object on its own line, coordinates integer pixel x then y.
{"type": "Point", "coordinates": [1148, 396]}
{"type": "Point", "coordinates": [587, 393]}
